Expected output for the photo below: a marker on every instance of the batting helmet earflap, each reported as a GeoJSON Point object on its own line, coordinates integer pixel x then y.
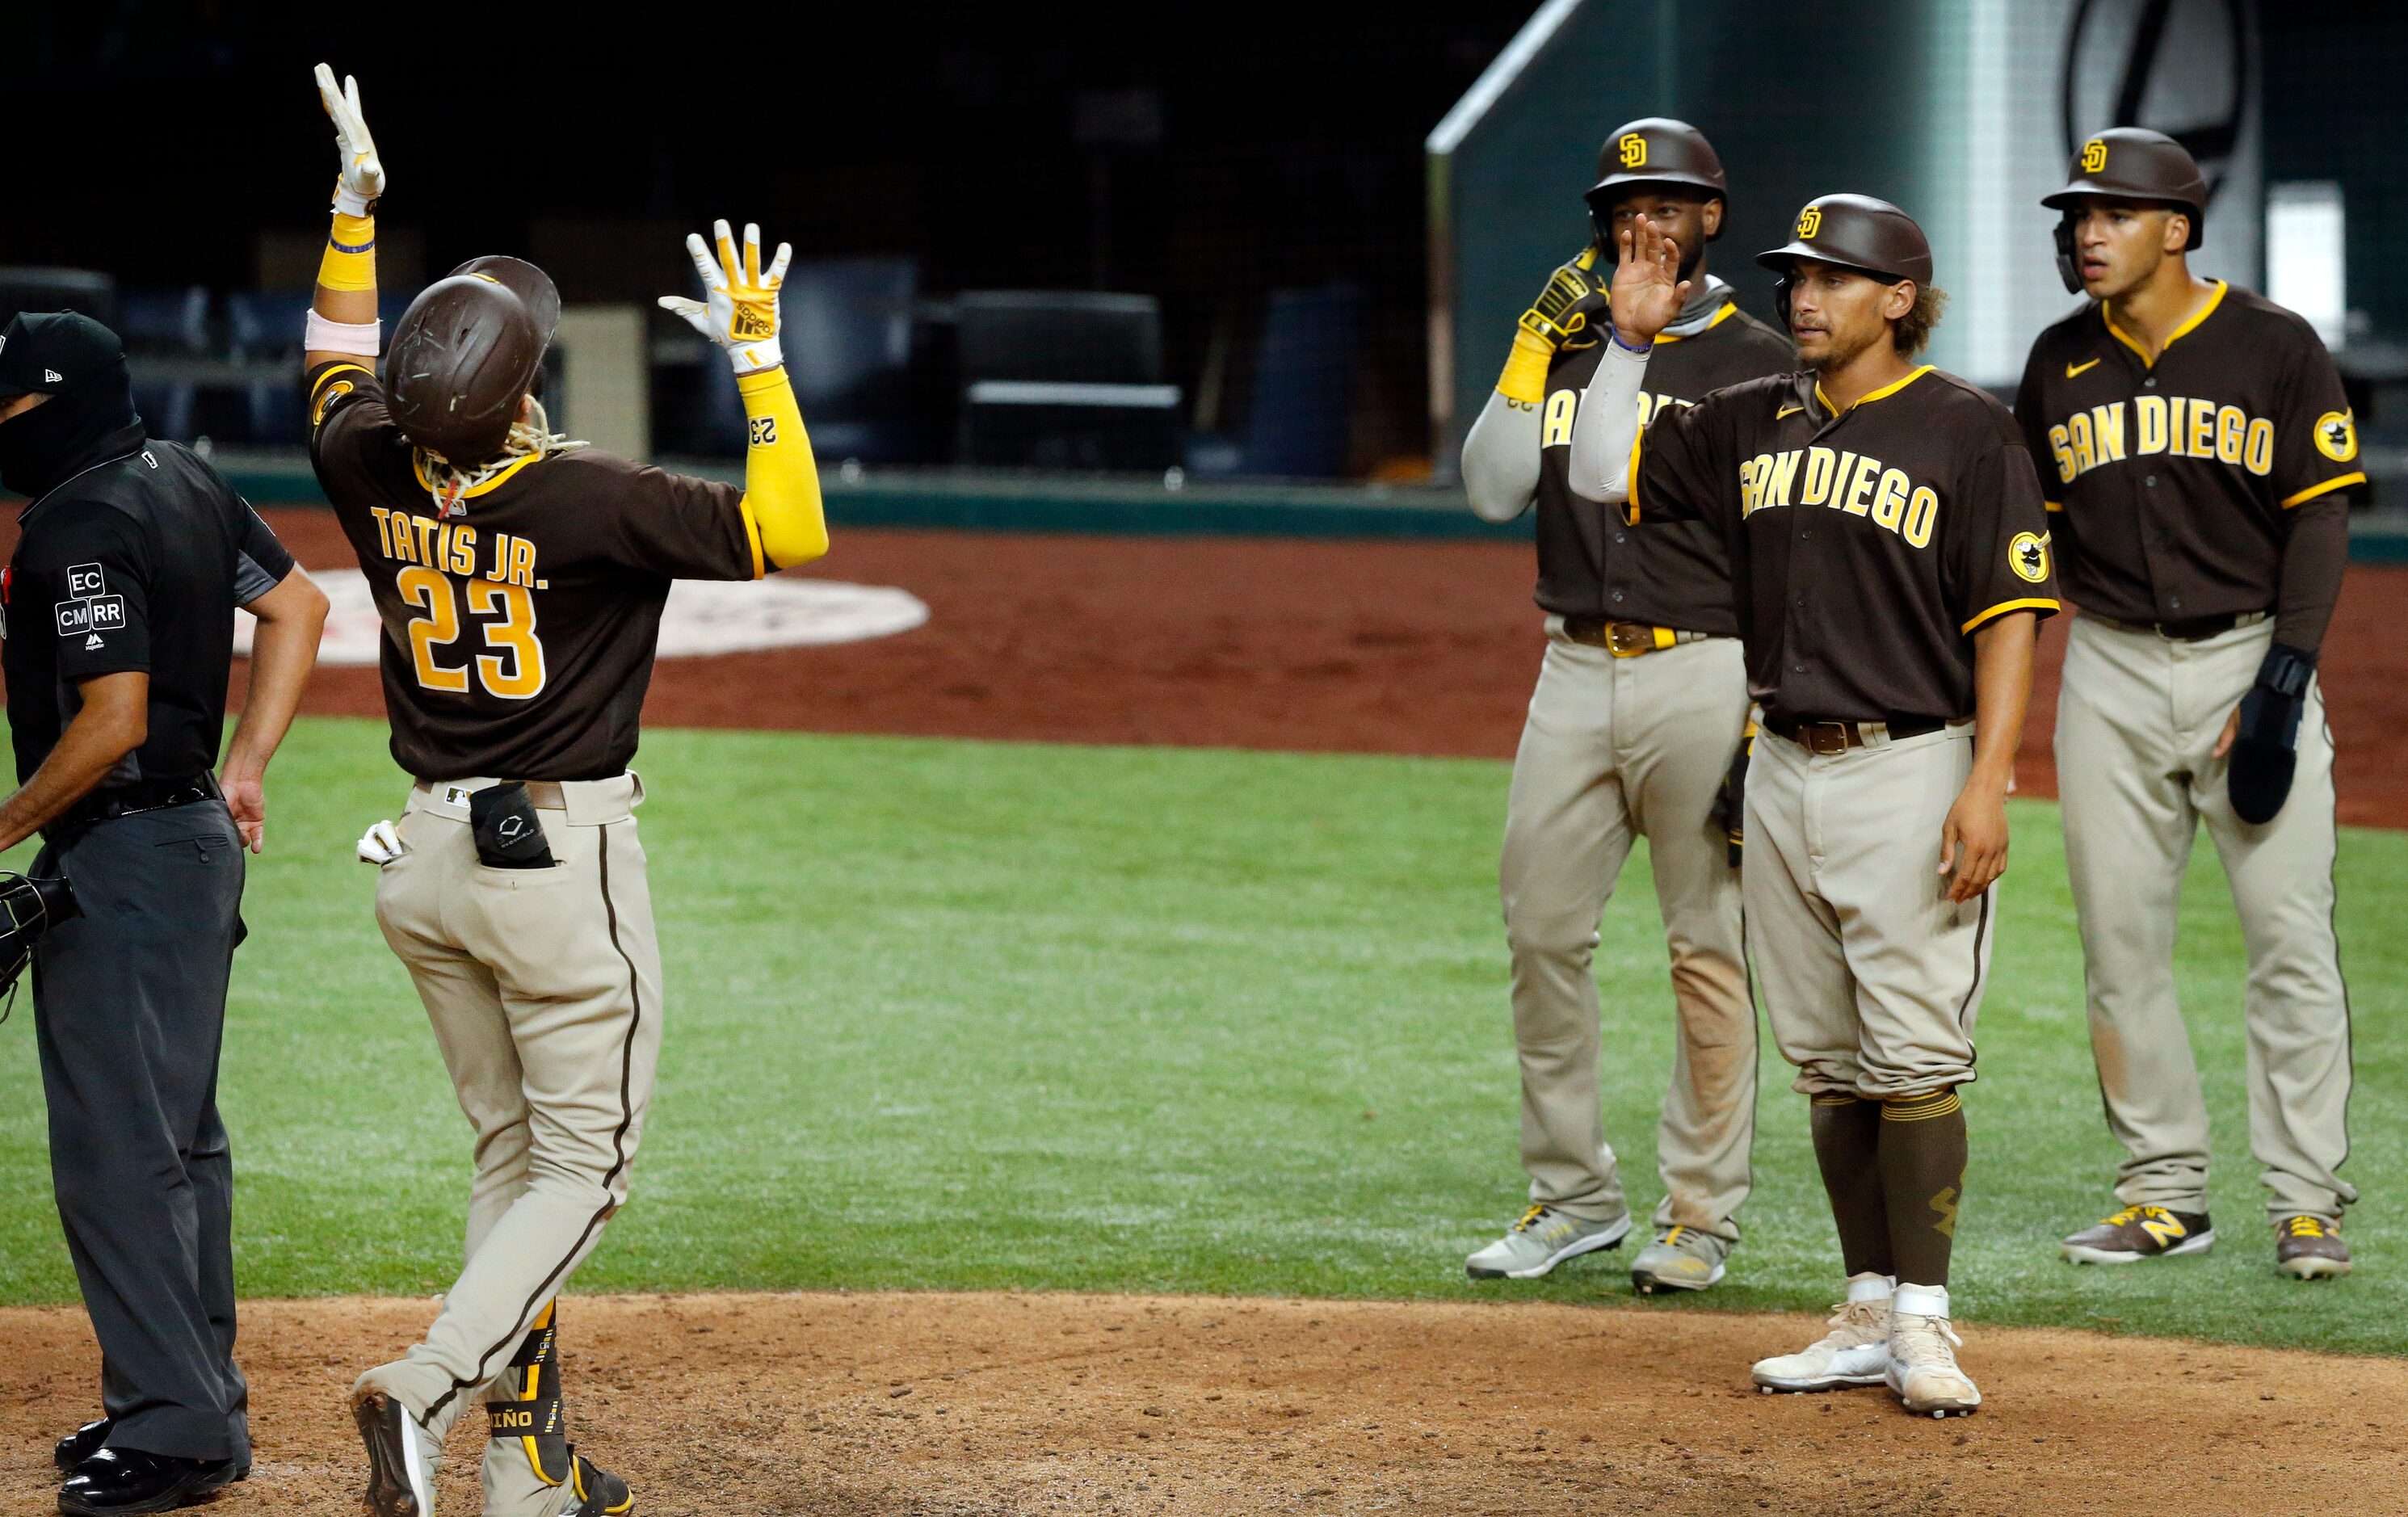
{"type": "Point", "coordinates": [465, 353]}
{"type": "Point", "coordinates": [1856, 232]}
{"type": "Point", "coordinates": [1653, 151]}
{"type": "Point", "coordinates": [2127, 162]}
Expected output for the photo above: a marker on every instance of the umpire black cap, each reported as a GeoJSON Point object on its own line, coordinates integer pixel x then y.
{"type": "Point", "coordinates": [1856, 232]}
{"type": "Point", "coordinates": [2132, 163]}
{"type": "Point", "coordinates": [1655, 150]}
{"type": "Point", "coordinates": [51, 353]}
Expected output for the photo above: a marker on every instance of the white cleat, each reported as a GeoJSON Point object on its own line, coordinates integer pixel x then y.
{"type": "Point", "coordinates": [1923, 1369]}
{"type": "Point", "coordinates": [1855, 1352]}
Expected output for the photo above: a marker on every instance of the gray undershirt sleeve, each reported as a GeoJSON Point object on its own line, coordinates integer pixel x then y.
{"type": "Point", "coordinates": [1501, 459]}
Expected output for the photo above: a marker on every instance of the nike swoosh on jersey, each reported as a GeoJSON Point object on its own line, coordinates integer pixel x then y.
{"type": "Point", "coordinates": [1786, 410]}
{"type": "Point", "coordinates": [2073, 369]}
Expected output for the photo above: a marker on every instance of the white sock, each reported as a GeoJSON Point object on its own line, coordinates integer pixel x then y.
{"type": "Point", "coordinates": [1920, 1300]}
{"type": "Point", "coordinates": [1870, 1287]}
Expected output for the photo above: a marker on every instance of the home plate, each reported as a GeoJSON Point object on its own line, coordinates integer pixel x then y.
{"type": "Point", "coordinates": [703, 616]}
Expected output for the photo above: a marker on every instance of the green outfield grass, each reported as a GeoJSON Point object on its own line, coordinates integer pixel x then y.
{"type": "Point", "coordinates": [965, 1015]}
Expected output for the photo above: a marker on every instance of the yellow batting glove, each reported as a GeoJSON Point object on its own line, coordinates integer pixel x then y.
{"type": "Point", "coordinates": [740, 308]}
{"type": "Point", "coordinates": [1546, 326]}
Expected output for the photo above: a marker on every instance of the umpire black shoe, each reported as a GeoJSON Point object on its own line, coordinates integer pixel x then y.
{"type": "Point", "coordinates": [120, 1480]}
{"type": "Point", "coordinates": [82, 1443]}
{"type": "Point", "coordinates": [2141, 1232]}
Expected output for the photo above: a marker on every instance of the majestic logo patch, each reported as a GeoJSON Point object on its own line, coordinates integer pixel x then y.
{"type": "Point", "coordinates": [2337, 435]}
{"type": "Point", "coordinates": [2027, 555]}
{"type": "Point", "coordinates": [1633, 148]}
{"type": "Point", "coordinates": [1810, 222]}
{"type": "Point", "coordinates": [2094, 155]}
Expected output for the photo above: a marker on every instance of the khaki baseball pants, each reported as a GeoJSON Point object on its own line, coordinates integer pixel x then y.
{"type": "Point", "coordinates": [2137, 722]}
{"type": "Point", "coordinates": [1871, 976]}
{"type": "Point", "coordinates": [1615, 748]}
{"type": "Point", "coordinates": [544, 989]}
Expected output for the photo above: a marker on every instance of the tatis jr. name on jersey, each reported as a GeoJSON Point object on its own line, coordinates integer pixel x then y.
{"type": "Point", "coordinates": [453, 547]}
{"type": "Point", "coordinates": [1856, 483]}
{"type": "Point", "coordinates": [2177, 425]}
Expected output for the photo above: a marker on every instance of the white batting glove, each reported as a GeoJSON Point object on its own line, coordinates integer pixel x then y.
{"type": "Point", "coordinates": [740, 311]}
{"type": "Point", "coordinates": [381, 844]}
{"type": "Point", "coordinates": [361, 178]}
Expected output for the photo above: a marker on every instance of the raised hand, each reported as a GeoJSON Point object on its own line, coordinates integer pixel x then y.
{"type": "Point", "coordinates": [360, 177]}
{"type": "Point", "coordinates": [1648, 290]}
{"type": "Point", "coordinates": [740, 308]}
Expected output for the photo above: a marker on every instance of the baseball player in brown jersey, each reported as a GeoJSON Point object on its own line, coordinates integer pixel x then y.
{"type": "Point", "coordinates": [1890, 558]}
{"type": "Point", "coordinates": [521, 578]}
{"type": "Point", "coordinates": [1640, 704]}
{"type": "Point", "coordinates": [2198, 455]}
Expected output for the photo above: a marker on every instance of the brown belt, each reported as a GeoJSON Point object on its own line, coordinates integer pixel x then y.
{"type": "Point", "coordinates": [1627, 639]}
{"type": "Point", "coordinates": [1828, 738]}
{"type": "Point", "coordinates": [2199, 629]}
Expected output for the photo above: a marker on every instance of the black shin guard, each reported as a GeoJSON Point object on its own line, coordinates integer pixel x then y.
{"type": "Point", "coordinates": [1923, 1151]}
{"type": "Point", "coordinates": [1847, 1149]}
{"type": "Point", "coordinates": [535, 1418]}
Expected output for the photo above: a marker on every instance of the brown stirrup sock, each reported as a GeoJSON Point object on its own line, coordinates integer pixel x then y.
{"type": "Point", "coordinates": [534, 1417]}
{"type": "Point", "coordinates": [1847, 1146]}
{"type": "Point", "coordinates": [1922, 1176]}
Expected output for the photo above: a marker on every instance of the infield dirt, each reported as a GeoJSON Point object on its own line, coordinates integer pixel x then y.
{"type": "Point", "coordinates": [1331, 647]}
{"type": "Point", "coordinates": [854, 1405]}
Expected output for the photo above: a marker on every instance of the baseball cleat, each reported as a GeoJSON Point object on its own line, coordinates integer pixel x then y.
{"type": "Point", "coordinates": [2141, 1232]}
{"type": "Point", "coordinates": [1544, 1239]}
{"type": "Point", "coordinates": [1855, 1352]}
{"type": "Point", "coordinates": [598, 1493]}
{"type": "Point", "coordinates": [1680, 1259]}
{"type": "Point", "coordinates": [1923, 1369]}
{"type": "Point", "coordinates": [2310, 1248]}
{"type": "Point", "coordinates": [402, 1457]}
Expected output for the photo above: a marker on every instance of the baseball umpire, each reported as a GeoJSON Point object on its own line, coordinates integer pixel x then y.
{"type": "Point", "coordinates": [121, 602]}
{"type": "Point", "coordinates": [1890, 559]}
{"type": "Point", "coordinates": [520, 578]}
{"type": "Point", "coordinates": [1641, 702]}
{"type": "Point", "coordinates": [2203, 456]}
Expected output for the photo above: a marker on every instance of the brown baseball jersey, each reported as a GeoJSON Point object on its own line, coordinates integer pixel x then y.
{"type": "Point", "coordinates": [519, 628]}
{"type": "Point", "coordinates": [1591, 563]}
{"type": "Point", "coordinates": [1865, 546]}
{"type": "Point", "coordinates": [2168, 483]}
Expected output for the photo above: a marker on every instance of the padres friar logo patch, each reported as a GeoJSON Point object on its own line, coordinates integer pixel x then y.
{"type": "Point", "coordinates": [2337, 435]}
{"type": "Point", "coordinates": [1633, 148]}
{"type": "Point", "coordinates": [2027, 555]}
{"type": "Point", "coordinates": [326, 397]}
{"type": "Point", "coordinates": [2094, 156]}
{"type": "Point", "coordinates": [1810, 222]}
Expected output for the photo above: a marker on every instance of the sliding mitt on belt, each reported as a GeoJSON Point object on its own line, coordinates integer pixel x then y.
{"type": "Point", "coordinates": [2265, 749]}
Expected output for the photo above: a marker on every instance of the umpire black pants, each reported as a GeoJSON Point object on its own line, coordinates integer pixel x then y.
{"type": "Point", "coordinates": [130, 1004]}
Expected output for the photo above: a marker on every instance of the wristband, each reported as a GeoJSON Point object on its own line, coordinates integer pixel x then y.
{"type": "Point", "coordinates": [358, 339]}
{"type": "Point", "coordinates": [350, 261]}
{"type": "Point", "coordinates": [1525, 378]}
{"type": "Point", "coordinates": [1627, 348]}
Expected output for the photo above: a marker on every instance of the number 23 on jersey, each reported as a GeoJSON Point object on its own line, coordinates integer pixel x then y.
{"type": "Point", "coordinates": [500, 608]}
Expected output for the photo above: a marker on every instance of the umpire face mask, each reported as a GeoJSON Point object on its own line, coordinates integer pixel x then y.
{"type": "Point", "coordinates": [43, 448]}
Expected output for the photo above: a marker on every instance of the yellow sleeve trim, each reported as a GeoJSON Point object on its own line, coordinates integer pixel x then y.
{"type": "Point", "coordinates": [753, 535]}
{"type": "Point", "coordinates": [2339, 481]}
{"type": "Point", "coordinates": [781, 504]}
{"type": "Point", "coordinates": [2054, 505]}
{"type": "Point", "coordinates": [1630, 487]}
{"type": "Point", "coordinates": [331, 370]}
{"type": "Point", "coordinates": [2036, 604]}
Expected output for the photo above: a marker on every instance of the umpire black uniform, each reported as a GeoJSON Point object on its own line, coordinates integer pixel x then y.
{"type": "Point", "coordinates": [132, 556]}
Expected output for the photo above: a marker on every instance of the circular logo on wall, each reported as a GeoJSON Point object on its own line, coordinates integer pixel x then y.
{"type": "Point", "coordinates": [2176, 66]}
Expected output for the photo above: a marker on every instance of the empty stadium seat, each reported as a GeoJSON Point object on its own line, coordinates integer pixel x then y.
{"type": "Point", "coordinates": [1065, 380]}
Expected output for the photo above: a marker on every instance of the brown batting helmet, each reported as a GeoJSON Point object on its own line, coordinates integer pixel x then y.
{"type": "Point", "coordinates": [2128, 162]}
{"type": "Point", "coordinates": [1653, 150]}
{"type": "Point", "coordinates": [1856, 232]}
{"type": "Point", "coordinates": [465, 353]}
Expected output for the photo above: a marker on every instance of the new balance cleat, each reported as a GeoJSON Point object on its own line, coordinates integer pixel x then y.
{"type": "Point", "coordinates": [1544, 1239]}
{"type": "Point", "coordinates": [2310, 1248]}
{"type": "Point", "coordinates": [2141, 1232]}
